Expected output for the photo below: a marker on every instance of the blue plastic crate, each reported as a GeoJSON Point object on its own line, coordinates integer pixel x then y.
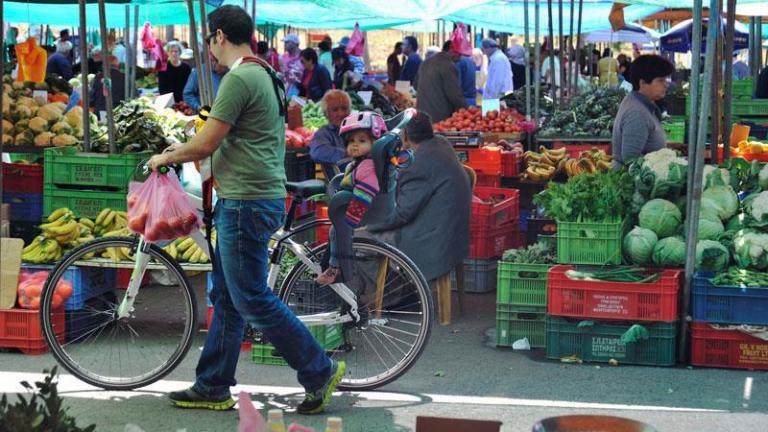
{"type": "Point", "coordinates": [80, 324]}
{"type": "Point", "coordinates": [25, 207]}
{"type": "Point", "coordinates": [87, 282]}
{"type": "Point", "coordinates": [728, 304]}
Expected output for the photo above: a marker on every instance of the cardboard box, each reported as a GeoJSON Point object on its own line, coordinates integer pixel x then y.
{"type": "Point", "coordinates": [438, 424]}
{"type": "Point", "coordinates": [5, 212]}
{"type": "Point", "coordinates": [10, 264]}
{"type": "Point", "coordinates": [5, 228]}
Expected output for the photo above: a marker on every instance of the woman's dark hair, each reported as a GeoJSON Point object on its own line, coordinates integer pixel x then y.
{"type": "Point", "coordinates": [647, 68]}
{"type": "Point", "coordinates": [607, 52]}
{"type": "Point", "coordinates": [412, 42]}
{"type": "Point", "coordinates": [262, 47]}
{"type": "Point", "coordinates": [234, 22]}
{"type": "Point", "coordinates": [340, 53]}
{"type": "Point", "coordinates": [309, 54]}
{"type": "Point", "coordinates": [324, 45]}
{"type": "Point", "coordinates": [398, 45]}
{"type": "Point", "coordinates": [420, 127]}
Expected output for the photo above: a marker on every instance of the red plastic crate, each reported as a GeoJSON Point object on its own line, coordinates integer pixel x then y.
{"type": "Point", "coordinates": [306, 207]}
{"type": "Point", "coordinates": [510, 164]}
{"type": "Point", "coordinates": [488, 181]}
{"type": "Point", "coordinates": [574, 150]}
{"type": "Point", "coordinates": [486, 160]}
{"type": "Point", "coordinates": [656, 301]}
{"type": "Point", "coordinates": [492, 242]}
{"type": "Point", "coordinates": [26, 178]}
{"type": "Point", "coordinates": [20, 329]}
{"type": "Point", "coordinates": [732, 349]}
{"type": "Point", "coordinates": [493, 215]}
{"type": "Point", "coordinates": [321, 231]}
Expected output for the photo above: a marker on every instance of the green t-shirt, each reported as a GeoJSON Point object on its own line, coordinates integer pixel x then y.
{"type": "Point", "coordinates": [249, 163]}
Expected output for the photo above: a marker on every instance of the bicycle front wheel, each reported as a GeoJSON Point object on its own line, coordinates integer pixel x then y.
{"type": "Point", "coordinates": [395, 307]}
{"type": "Point", "coordinates": [85, 333]}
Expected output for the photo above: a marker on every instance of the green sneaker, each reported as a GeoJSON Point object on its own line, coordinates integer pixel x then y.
{"type": "Point", "coordinates": [190, 398]}
{"type": "Point", "coordinates": [315, 402]}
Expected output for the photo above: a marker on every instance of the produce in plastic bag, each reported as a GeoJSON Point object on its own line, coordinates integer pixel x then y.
{"type": "Point", "coordinates": [159, 208]}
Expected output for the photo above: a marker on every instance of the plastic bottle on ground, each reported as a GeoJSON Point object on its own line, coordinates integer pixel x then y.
{"type": "Point", "coordinates": [333, 424]}
{"type": "Point", "coordinates": [275, 422]}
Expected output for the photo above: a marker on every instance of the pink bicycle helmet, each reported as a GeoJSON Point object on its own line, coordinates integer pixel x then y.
{"type": "Point", "coordinates": [364, 120]}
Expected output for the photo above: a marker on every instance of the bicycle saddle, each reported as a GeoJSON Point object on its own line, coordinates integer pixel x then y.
{"type": "Point", "coordinates": [306, 188]}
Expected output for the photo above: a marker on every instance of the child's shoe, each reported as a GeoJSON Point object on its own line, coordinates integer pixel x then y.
{"type": "Point", "coordinates": [329, 276]}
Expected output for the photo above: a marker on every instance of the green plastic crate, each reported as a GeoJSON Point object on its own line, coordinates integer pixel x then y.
{"type": "Point", "coordinates": [515, 322]}
{"type": "Point", "coordinates": [65, 166]}
{"type": "Point", "coordinates": [589, 243]}
{"type": "Point", "coordinates": [30, 157]}
{"type": "Point", "coordinates": [600, 341]}
{"type": "Point", "coordinates": [83, 203]}
{"type": "Point", "coordinates": [750, 107]}
{"type": "Point", "coordinates": [521, 284]}
{"type": "Point", "coordinates": [329, 337]}
{"type": "Point", "coordinates": [741, 88]}
{"type": "Point", "coordinates": [675, 131]}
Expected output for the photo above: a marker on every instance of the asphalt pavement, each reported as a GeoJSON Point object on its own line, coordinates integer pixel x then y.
{"type": "Point", "coordinates": [461, 375]}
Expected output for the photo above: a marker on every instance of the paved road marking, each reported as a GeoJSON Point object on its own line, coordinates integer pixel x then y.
{"type": "Point", "coordinates": [70, 386]}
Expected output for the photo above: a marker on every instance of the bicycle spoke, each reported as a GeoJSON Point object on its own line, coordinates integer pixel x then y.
{"type": "Point", "coordinates": [389, 337]}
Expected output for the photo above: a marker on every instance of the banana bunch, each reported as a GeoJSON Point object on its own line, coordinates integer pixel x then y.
{"type": "Point", "coordinates": [542, 166]}
{"type": "Point", "coordinates": [110, 220]}
{"type": "Point", "coordinates": [187, 251]}
{"type": "Point", "coordinates": [62, 226]}
{"type": "Point", "coordinates": [42, 250]}
{"type": "Point", "coordinates": [118, 254]}
{"type": "Point", "coordinates": [589, 161]}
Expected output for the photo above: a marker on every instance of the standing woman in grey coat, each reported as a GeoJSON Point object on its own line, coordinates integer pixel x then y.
{"type": "Point", "coordinates": [637, 128]}
{"type": "Point", "coordinates": [430, 221]}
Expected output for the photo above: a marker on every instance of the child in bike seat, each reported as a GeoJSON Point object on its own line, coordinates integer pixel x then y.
{"type": "Point", "coordinates": [357, 190]}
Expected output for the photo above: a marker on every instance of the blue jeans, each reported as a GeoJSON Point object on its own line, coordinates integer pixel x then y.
{"type": "Point", "coordinates": [240, 294]}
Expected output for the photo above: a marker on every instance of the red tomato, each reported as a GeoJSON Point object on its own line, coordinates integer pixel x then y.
{"type": "Point", "coordinates": [57, 301]}
{"type": "Point", "coordinates": [176, 223]}
{"type": "Point", "coordinates": [132, 200]}
{"type": "Point", "coordinates": [64, 289]}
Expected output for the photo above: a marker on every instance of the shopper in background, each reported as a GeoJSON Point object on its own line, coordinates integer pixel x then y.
{"type": "Point", "coordinates": [119, 51]}
{"type": "Point", "coordinates": [64, 45]}
{"type": "Point", "coordinates": [393, 64]}
{"type": "Point", "coordinates": [437, 85]}
{"type": "Point", "coordinates": [637, 128]}
{"type": "Point", "coordinates": [245, 135]}
{"type": "Point", "coordinates": [327, 147]}
{"type": "Point", "coordinates": [516, 55]}
{"type": "Point", "coordinates": [268, 55]}
{"type": "Point", "coordinates": [430, 221]}
{"type": "Point", "coordinates": [325, 58]}
{"type": "Point", "coordinates": [761, 89]}
{"type": "Point", "coordinates": [192, 88]}
{"type": "Point", "coordinates": [608, 69]}
{"type": "Point", "coordinates": [740, 68]}
{"type": "Point", "coordinates": [591, 66]}
{"type": "Point", "coordinates": [174, 77]}
{"type": "Point", "coordinates": [467, 76]}
{"type": "Point", "coordinates": [413, 59]}
{"type": "Point", "coordinates": [58, 62]}
{"type": "Point", "coordinates": [316, 80]}
{"type": "Point", "coordinates": [290, 64]}
{"type": "Point", "coordinates": [499, 79]}
{"type": "Point", "coordinates": [98, 100]}
{"type": "Point", "coordinates": [343, 70]}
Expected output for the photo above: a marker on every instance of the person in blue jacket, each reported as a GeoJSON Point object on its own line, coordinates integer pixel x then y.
{"type": "Point", "coordinates": [466, 72]}
{"type": "Point", "coordinates": [413, 59]}
{"type": "Point", "coordinates": [192, 90]}
{"type": "Point", "coordinates": [315, 80]}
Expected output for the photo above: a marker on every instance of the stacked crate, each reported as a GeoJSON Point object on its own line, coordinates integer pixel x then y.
{"type": "Point", "coordinates": [299, 166]}
{"type": "Point", "coordinates": [603, 321]}
{"type": "Point", "coordinates": [23, 192]}
{"type": "Point", "coordinates": [486, 161]}
{"type": "Point", "coordinates": [87, 183]}
{"type": "Point", "coordinates": [493, 229]}
{"type": "Point", "coordinates": [728, 322]}
{"type": "Point", "coordinates": [521, 303]}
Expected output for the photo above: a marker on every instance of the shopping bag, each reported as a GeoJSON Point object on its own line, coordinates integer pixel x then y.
{"type": "Point", "coordinates": [159, 209]}
{"type": "Point", "coordinates": [459, 42]}
{"type": "Point", "coordinates": [356, 45]}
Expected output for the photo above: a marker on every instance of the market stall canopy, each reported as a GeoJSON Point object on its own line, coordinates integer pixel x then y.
{"type": "Point", "coordinates": [687, 4]}
{"type": "Point", "coordinates": [678, 38]}
{"type": "Point", "coordinates": [630, 33]}
{"type": "Point", "coordinates": [409, 10]}
{"type": "Point", "coordinates": [296, 13]}
{"type": "Point", "coordinates": [506, 15]}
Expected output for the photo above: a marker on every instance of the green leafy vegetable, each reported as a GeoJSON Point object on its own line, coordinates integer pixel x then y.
{"type": "Point", "coordinates": [742, 278]}
{"type": "Point", "coordinates": [669, 252]}
{"type": "Point", "coordinates": [638, 245]}
{"type": "Point", "coordinates": [537, 253]}
{"type": "Point", "coordinates": [751, 249]}
{"type": "Point", "coordinates": [598, 197]}
{"type": "Point", "coordinates": [660, 174]}
{"type": "Point", "coordinates": [711, 256]}
{"type": "Point", "coordinates": [710, 226]}
{"type": "Point", "coordinates": [721, 200]}
{"type": "Point", "coordinates": [661, 216]}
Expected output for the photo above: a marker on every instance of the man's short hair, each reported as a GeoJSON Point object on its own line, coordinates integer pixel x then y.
{"type": "Point", "coordinates": [647, 68]}
{"type": "Point", "coordinates": [234, 22]}
{"type": "Point", "coordinates": [335, 96]}
{"type": "Point", "coordinates": [309, 54]}
{"type": "Point", "coordinates": [489, 43]}
{"type": "Point", "coordinates": [420, 127]}
{"type": "Point", "coordinates": [262, 47]}
{"type": "Point", "coordinates": [324, 45]}
{"type": "Point", "coordinates": [447, 46]}
{"type": "Point", "coordinates": [412, 42]}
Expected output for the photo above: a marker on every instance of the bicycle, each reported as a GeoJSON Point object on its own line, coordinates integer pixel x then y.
{"type": "Point", "coordinates": [124, 341]}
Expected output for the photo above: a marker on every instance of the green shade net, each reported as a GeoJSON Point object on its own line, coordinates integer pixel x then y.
{"type": "Point", "coordinates": [408, 10]}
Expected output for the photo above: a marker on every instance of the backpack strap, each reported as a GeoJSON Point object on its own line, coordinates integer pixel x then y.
{"type": "Point", "coordinates": [277, 83]}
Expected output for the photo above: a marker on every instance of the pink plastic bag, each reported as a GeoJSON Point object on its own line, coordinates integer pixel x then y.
{"type": "Point", "coordinates": [459, 43]}
{"type": "Point", "coordinates": [159, 209]}
{"type": "Point", "coordinates": [148, 40]}
{"type": "Point", "coordinates": [356, 45]}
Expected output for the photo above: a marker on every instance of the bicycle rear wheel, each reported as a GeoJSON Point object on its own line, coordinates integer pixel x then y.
{"type": "Point", "coordinates": [395, 306]}
{"type": "Point", "coordinates": [86, 335]}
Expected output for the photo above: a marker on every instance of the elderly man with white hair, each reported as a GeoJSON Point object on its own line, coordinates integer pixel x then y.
{"type": "Point", "coordinates": [58, 62]}
{"type": "Point", "coordinates": [499, 79]}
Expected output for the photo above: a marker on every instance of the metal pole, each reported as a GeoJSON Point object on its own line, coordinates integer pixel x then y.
{"type": "Point", "coordinates": [195, 48]}
{"type": "Point", "coordinates": [536, 62]}
{"type": "Point", "coordinates": [106, 80]}
{"type": "Point", "coordinates": [695, 177]}
{"type": "Point", "coordinates": [86, 98]}
{"type": "Point", "coordinates": [127, 53]}
{"type": "Point", "coordinates": [716, 107]}
{"type": "Point", "coordinates": [134, 50]}
{"type": "Point", "coordinates": [759, 45]}
{"type": "Point", "coordinates": [727, 109]}
{"type": "Point", "coordinates": [560, 42]}
{"type": "Point", "coordinates": [572, 80]}
{"type": "Point", "coordinates": [578, 47]}
{"type": "Point", "coordinates": [206, 60]}
{"type": "Point", "coordinates": [253, 12]}
{"type": "Point", "coordinates": [752, 56]}
{"type": "Point", "coordinates": [552, 54]}
{"type": "Point", "coordinates": [526, 21]}
{"type": "Point", "coordinates": [694, 91]}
